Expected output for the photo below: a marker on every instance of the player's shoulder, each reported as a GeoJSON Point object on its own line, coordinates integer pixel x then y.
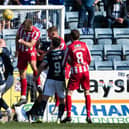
{"type": "Point", "coordinates": [5, 50]}
{"type": "Point", "coordinates": [62, 40]}
{"type": "Point", "coordinates": [36, 29]}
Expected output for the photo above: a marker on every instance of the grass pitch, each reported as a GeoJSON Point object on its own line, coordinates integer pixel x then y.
{"type": "Point", "coordinates": [21, 125]}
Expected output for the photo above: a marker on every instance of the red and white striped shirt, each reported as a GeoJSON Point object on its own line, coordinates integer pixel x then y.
{"type": "Point", "coordinates": [79, 55]}
{"type": "Point", "coordinates": [28, 36]}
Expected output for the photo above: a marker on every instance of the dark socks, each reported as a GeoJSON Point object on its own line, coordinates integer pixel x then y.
{"type": "Point", "coordinates": [61, 110]}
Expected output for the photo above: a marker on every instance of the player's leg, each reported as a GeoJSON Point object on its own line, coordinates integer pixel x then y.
{"type": "Point", "coordinates": [88, 105]}
{"type": "Point", "coordinates": [35, 71]}
{"type": "Point", "coordinates": [23, 99]}
{"type": "Point", "coordinates": [68, 106]}
{"type": "Point", "coordinates": [34, 109]}
{"type": "Point", "coordinates": [57, 102]}
{"type": "Point", "coordinates": [60, 90]}
{"type": "Point", "coordinates": [49, 90]}
{"type": "Point", "coordinates": [22, 66]}
{"type": "Point", "coordinates": [85, 83]}
{"type": "Point", "coordinates": [32, 113]}
{"type": "Point", "coordinates": [3, 104]}
{"type": "Point", "coordinates": [73, 84]}
{"type": "Point", "coordinates": [9, 83]}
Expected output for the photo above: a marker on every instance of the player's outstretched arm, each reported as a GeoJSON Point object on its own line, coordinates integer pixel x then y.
{"type": "Point", "coordinates": [40, 69]}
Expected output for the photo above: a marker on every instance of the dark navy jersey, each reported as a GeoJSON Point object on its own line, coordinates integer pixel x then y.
{"type": "Point", "coordinates": [54, 61]}
{"type": "Point", "coordinates": [6, 67]}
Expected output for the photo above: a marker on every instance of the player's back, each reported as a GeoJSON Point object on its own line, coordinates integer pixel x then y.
{"type": "Point", "coordinates": [80, 56]}
{"type": "Point", "coordinates": [56, 71]}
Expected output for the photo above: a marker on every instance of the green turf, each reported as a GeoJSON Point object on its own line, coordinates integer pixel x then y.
{"type": "Point", "coordinates": [17, 125]}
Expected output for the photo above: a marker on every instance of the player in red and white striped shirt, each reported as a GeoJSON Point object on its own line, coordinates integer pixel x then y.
{"type": "Point", "coordinates": [79, 57]}
{"type": "Point", "coordinates": [26, 39]}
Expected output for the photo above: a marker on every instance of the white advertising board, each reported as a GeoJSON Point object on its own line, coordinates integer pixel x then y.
{"type": "Point", "coordinates": [110, 99]}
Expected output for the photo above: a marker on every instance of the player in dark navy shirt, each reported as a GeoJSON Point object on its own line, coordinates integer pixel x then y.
{"type": "Point", "coordinates": [6, 74]}
{"type": "Point", "coordinates": [55, 82]}
{"type": "Point", "coordinates": [54, 61]}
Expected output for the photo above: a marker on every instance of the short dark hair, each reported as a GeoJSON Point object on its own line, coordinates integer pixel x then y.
{"type": "Point", "coordinates": [56, 42]}
{"type": "Point", "coordinates": [27, 23]}
{"type": "Point", "coordinates": [51, 29]}
{"type": "Point", "coordinates": [75, 34]}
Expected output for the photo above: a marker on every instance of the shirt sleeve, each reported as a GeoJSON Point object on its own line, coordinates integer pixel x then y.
{"type": "Point", "coordinates": [65, 57]}
{"type": "Point", "coordinates": [36, 35]}
{"type": "Point", "coordinates": [88, 56]}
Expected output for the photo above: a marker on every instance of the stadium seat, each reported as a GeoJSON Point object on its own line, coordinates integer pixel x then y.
{"type": "Point", "coordinates": [71, 16]}
{"type": "Point", "coordinates": [125, 49]}
{"type": "Point", "coordinates": [121, 65]}
{"type": "Point", "coordinates": [9, 36]}
{"type": "Point", "coordinates": [104, 41]}
{"type": "Point", "coordinates": [120, 33]}
{"type": "Point", "coordinates": [87, 37]}
{"type": "Point", "coordinates": [112, 52]}
{"type": "Point", "coordinates": [67, 35]}
{"type": "Point", "coordinates": [97, 52]}
{"type": "Point", "coordinates": [103, 34]}
{"type": "Point", "coordinates": [67, 31]}
{"type": "Point", "coordinates": [72, 19]}
{"type": "Point", "coordinates": [92, 65]}
{"type": "Point", "coordinates": [103, 65]}
{"type": "Point", "coordinates": [122, 41]}
{"type": "Point", "coordinates": [43, 34]}
{"type": "Point", "coordinates": [9, 33]}
{"type": "Point", "coordinates": [88, 41]}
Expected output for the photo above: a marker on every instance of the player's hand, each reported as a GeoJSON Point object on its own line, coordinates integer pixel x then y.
{"type": "Point", "coordinates": [21, 41]}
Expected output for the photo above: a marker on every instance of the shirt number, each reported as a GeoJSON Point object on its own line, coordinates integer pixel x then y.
{"type": "Point", "coordinates": [57, 67]}
{"type": "Point", "coordinates": [79, 56]}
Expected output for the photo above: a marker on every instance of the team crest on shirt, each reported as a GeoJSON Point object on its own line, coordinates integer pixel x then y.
{"type": "Point", "coordinates": [32, 54]}
{"type": "Point", "coordinates": [78, 45]}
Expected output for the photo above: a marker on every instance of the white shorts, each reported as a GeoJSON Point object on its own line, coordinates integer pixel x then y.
{"type": "Point", "coordinates": [6, 85]}
{"type": "Point", "coordinates": [53, 86]}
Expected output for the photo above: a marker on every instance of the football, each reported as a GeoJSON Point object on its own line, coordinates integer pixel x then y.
{"type": "Point", "coordinates": [8, 14]}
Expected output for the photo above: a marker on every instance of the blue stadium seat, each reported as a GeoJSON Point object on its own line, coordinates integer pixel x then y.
{"type": "Point", "coordinates": [122, 41]}
{"type": "Point", "coordinates": [88, 41]}
{"type": "Point", "coordinates": [103, 35]}
{"type": "Point", "coordinates": [71, 16]}
{"type": "Point", "coordinates": [121, 33]}
{"type": "Point", "coordinates": [9, 33]}
{"type": "Point", "coordinates": [72, 19]}
{"type": "Point", "coordinates": [92, 65]}
{"type": "Point", "coordinates": [121, 65]}
{"type": "Point", "coordinates": [97, 52]}
{"type": "Point", "coordinates": [125, 48]}
{"type": "Point", "coordinates": [103, 65]}
{"type": "Point", "coordinates": [43, 34]}
{"type": "Point", "coordinates": [112, 52]}
{"type": "Point", "coordinates": [87, 37]}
